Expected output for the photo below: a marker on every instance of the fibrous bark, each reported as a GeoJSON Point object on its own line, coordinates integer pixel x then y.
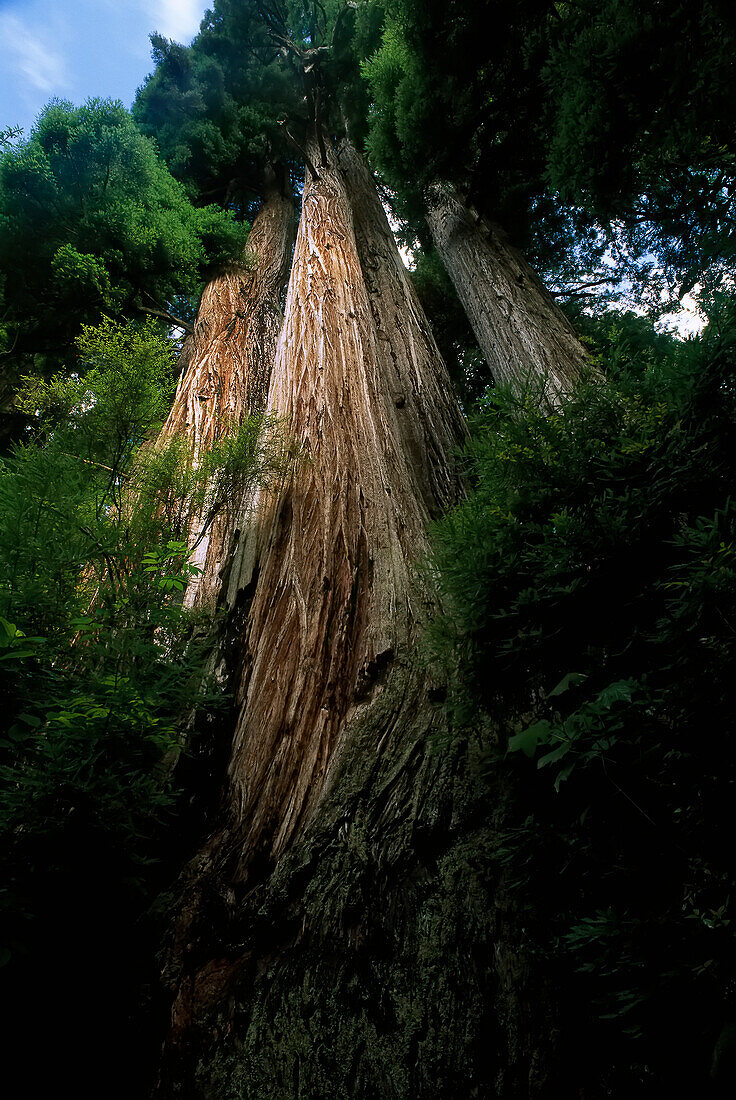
{"type": "Point", "coordinates": [412, 367]}
{"type": "Point", "coordinates": [371, 415]}
{"type": "Point", "coordinates": [343, 932]}
{"type": "Point", "coordinates": [325, 582]}
{"type": "Point", "coordinates": [523, 334]}
{"type": "Point", "coordinates": [238, 322]}
{"type": "Point", "coordinates": [226, 365]}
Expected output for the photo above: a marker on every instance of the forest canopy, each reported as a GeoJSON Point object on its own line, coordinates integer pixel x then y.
{"type": "Point", "coordinates": [367, 628]}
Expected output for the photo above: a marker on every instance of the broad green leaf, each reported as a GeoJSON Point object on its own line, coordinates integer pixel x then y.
{"type": "Point", "coordinates": [529, 739]}
{"type": "Point", "coordinates": [572, 679]}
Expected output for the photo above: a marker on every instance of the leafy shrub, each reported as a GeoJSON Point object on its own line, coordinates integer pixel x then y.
{"type": "Point", "coordinates": [590, 587]}
{"type": "Point", "coordinates": [102, 673]}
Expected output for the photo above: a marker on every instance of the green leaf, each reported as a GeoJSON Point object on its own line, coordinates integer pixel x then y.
{"type": "Point", "coordinates": [529, 739]}
{"type": "Point", "coordinates": [555, 755]}
{"type": "Point", "coordinates": [572, 679]}
{"type": "Point", "coordinates": [30, 720]}
{"type": "Point", "coordinates": [564, 773]}
{"type": "Point", "coordinates": [8, 631]}
{"type": "Point", "coordinates": [16, 654]}
{"type": "Point", "coordinates": [618, 692]}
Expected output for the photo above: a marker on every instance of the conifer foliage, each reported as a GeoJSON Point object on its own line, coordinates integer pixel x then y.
{"type": "Point", "coordinates": [589, 582]}
{"type": "Point", "coordinates": [350, 745]}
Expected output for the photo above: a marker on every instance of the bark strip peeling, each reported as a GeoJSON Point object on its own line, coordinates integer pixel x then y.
{"type": "Point", "coordinates": [336, 718]}
{"type": "Point", "coordinates": [335, 602]}
{"type": "Point", "coordinates": [227, 361]}
{"type": "Point", "coordinates": [523, 334]}
{"type": "Point", "coordinates": [413, 370]}
{"type": "Point", "coordinates": [238, 323]}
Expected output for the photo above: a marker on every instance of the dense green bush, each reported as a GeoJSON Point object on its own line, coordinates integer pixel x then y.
{"type": "Point", "coordinates": [102, 670]}
{"type": "Point", "coordinates": [590, 583]}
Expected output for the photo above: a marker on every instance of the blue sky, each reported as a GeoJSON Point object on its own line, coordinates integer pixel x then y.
{"type": "Point", "coordinates": [74, 49]}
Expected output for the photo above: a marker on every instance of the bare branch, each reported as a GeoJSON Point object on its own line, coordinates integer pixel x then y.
{"type": "Point", "coordinates": [302, 152]}
{"type": "Point", "coordinates": [166, 315]}
{"type": "Point", "coordinates": [318, 127]}
{"type": "Point", "coordinates": [583, 289]}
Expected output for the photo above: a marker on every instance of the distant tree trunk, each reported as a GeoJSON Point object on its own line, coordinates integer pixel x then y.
{"type": "Point", "coordinates": [522, 332]}
{"type": "Point", "coordinates": [11, 420]}
{"type": "Point", "coordinates": [227, 361]}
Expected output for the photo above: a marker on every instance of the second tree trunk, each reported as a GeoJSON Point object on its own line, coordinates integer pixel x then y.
{"type": "Point", "coordinates": [525, 337]}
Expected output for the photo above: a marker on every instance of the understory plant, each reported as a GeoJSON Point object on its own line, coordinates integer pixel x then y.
{"type": "Point", "coordinates": [101, 664]}
{"type": "Point", "coordinates": [590, 586]}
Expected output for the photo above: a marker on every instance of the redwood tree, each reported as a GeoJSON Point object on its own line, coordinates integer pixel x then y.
{"type": "Point", "coordinates": [347, 918]}
{"type": "Point", "coordinates": [522, 332]}
{"type": "Point", "coordinates": [327, 690]}
{"type": "Point", "coordinates": [311, 922]}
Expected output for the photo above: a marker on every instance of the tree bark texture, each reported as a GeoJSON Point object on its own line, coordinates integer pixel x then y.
{"type": "Point", "coordinates": [524, 335]}
{"type": "Point", "coordinates": [335, 549]}
{"type": "Point", "coordinates": [412, 365]}
{"type": "Point", "coordinates": [227, 363]}
{"type": "Point", "coordinates": [341, 932]}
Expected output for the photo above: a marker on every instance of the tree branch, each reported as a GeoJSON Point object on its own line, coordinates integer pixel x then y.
{"type": "Point", "coordinates": [166, 315]}
{"type": "Point", "coordinates": [318, 127]}
{"type": "Point", "coordinates": [582, 289]}
{"type": "Point", "coordinates": [302, 152]}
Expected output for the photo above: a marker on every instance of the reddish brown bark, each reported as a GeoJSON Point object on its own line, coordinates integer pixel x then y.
{"type": "Point", "coordinates": [412, 368]}
{"type": "Point", "coordinates": [323, 581]}
{"type": "Point", "coordinates": [371, 412]}
{"type": "Point", "coordinates": [335, 717]}
{"type": "Point", "coordinates": [227, 364]}
{"type": "Point", "coordinates": [229, 354]}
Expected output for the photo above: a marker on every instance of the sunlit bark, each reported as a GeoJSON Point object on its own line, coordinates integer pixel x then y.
{"type": "Point", "coordinates": [371, 413]}
{"type": "Point", "coordinates": [226, 367]}
{"type": "Point", "coordinates": [336, 717]}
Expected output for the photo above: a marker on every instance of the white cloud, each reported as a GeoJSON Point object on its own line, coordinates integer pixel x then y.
{"type": "Point", "coordinates": [178, 19]}
{"type": "Point", "coordinates": [31, 56]}
{"type": "Point", "coordinates": [688, 320]}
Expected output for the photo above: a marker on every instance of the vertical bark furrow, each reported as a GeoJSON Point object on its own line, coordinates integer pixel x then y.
{"type": "Point", "coordinates": [333, 762]}
{"type": "Point", "coordinates": [235, 333]}
{"type": "Point", "coordinates": [369, 405]}
{"type": "Point", "coordinates": [227, 367]}
{"type": "Point", "coordinates": [523, 334]}
{"type": "Point", "coordinates": [429, 421]}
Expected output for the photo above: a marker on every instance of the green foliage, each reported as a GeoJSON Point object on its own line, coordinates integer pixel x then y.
{"type": "Point", "coordinates": [589, 576]}
{"type": "Point", "coordinates": [657, 152]}
{"type": "Point", "coordinates": [92, 223]}
{"type": "Point", "coordinates": [8, 135]}
{"type": "Point", "coordinates": [228, 110]}
{"type": "Point", "coordinates": [590, 585]}
{"type": "Point", "coordinates": [531, 110]}
{"type": "Point", "coordinates": [125, 391]}
{"type": "Point", "coordinates": [214, 108]}
{"type": "Point", "coordinates": [456, 94]}
{"type": "Point", "coordinates": [101, 665]}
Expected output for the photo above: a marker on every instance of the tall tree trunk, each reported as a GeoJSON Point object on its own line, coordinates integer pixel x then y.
{"type": "Point", "coordinates": [522, 332]}
{"type": "Point", "coordinates": [334, 712]}
{"type": "Point", "coordinates": [412, 367]}
{"type": "Point", "coordinates": [226, 365]}
{"type": "Point", "coordinates": [339, 933]}
{"type": "Point", "coordinates": [334, 550]}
